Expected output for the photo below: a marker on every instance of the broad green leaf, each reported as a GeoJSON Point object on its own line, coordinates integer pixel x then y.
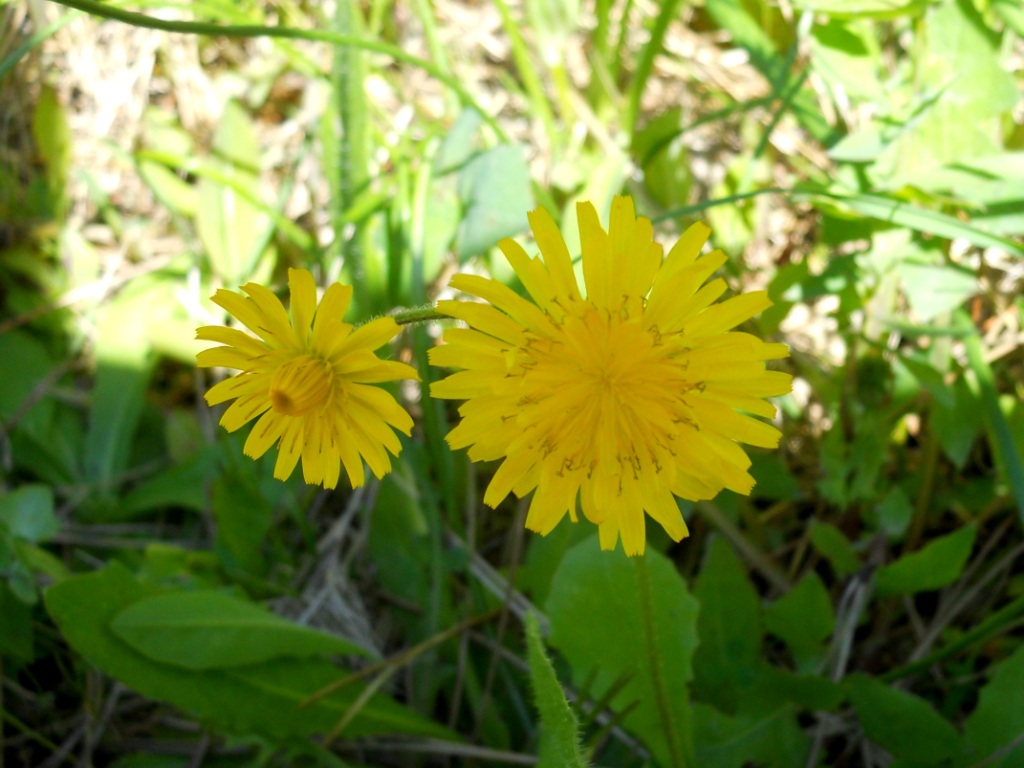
{"type": "Point", "coordinates": [26, 364]}
{"type": "Point", "coordinates": [773, 479]}
{"type": "Point", "coordinates": [53, 139]}
{"type": "Point", "coordinates": [729, 655]}
{"type": "Point", "coordinates": [262, 698]}
{"type": "Point", "coordinates": [934, 290]}
{"type": "Point", "coordinates": [27, 513]}
{"type": "Point", "coordinates": [803, 618]}
{"type": "Point", "coordinates": [611, 625]}
{"type": "Point", "coordinates": [213, 630]}
{"type": "Point", "coordinates": [928, 377]}
{"type": "Point", "coordinates": [16, 627]}
{"type": "Point", "coordinates": [544, 555]}
{"type": "Point", "coordinates": [559, 730]}
{"type": "Point", "coordinates": [848, 54]}
{"type": "Point", "coordinates": [901, 723]}
{"type": "Point", "coordinates": [244, 517]}
{"type": "Point", "coordinates": [771, 738]}
{"type": "Point", "coordinates": [894, 513]}
{"type": "Point", "coordinates": [169, 188]}
{"type": "Point", "coordinates": [998, 720]}
{"type": "Point", "coordinates": [183, 485]}
{"type": "Point", "coordinates": [494, 187]}
{"type": "Point", "coordinates": [935, 565]}
{"type": "Point", "coordinates": [776, 686]}
{"type": "Point", "coordinates": [835, 547]}
{"type": "Point", "coordinates": [989, 180]}
{"type": "Point", "coordinates": [957, 427]}
{"type": "Point", "coordinates": [661, 154]}
{"type": "Point", "coordinates": [233, 230]}
{"type": "Point", "coordinates": [457, 147]}
{"type": "Point", "coordinates": [957, 71]}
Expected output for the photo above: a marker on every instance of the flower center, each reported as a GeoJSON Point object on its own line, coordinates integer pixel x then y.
{"type": "Point", "coordinates": [300, 385]}
{"type": "Point", "coordinates": [603, 391]}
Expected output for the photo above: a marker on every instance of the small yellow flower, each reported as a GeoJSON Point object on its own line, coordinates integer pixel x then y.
{"type": "Point", "coordinates": [624, 398]}
{"type": "Point", "coordinates": [311, 377]}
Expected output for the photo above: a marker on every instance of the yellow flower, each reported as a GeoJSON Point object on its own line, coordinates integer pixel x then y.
{"type": "Point", "coordinates": [624, 398]}
{"type": "Point", "coordinates": [311, 377]}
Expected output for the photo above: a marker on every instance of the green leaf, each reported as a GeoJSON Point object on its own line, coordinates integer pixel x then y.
{"type": "Point", "coordinates": [457, 147]}
{"type": "Point", "coordinates": [122, 374]}
{"type": "Point", "coordinates": [495, 191]}
{"type": "Point", "coordinates": [16, 628]}
{"type": "Point", "coordinates": [233, 230]}
{"type": "Point", "coordinates": [770, 738]}
{"type": "Point", "coordinates": [803, 618]}
{"type": "Point", "coordinates": [244, 517]}
{"type": "Point", "coordinates": [27, 513]}
{"type": "Point", "coordinates": [901, 723]}
{"type": "Point", "coordinates": [935, 565]}
{"type": "Point", "coordinates": [213, 630]}
{"type": "Point", "coordinates": [894, 513]}
{"type": "Point", "coordinates": [663, 157]}
{"type": "Point", "coordinates": [26, 363]}
{"type": "Point", "coordinates": [848, 54]}
{"type": "Point", "coordinates": [934, 290]}
{"type": "Point", "coordinates": [53, 138]}
{"type": "Point", "coordinates": [611, 628]}
{"type": "Point", "coordinates": [957, 427]}
{"type": "Point", "coordinates": [1000, 434]}
{"type": "Point", "coordinates": [928, 377]}
{"type": "Point", "coordinates": [729, 655]}
{"type": "Point", "coordinates": [559, 733]}
{"type": "Point", "coordinates": [835, 547]}
{"type": "Point", "coordinates": [183, 485]}
{"type": "Point", "coordinates": [262, 698]}
{"type": "Point", "coordinates": [998, 720]}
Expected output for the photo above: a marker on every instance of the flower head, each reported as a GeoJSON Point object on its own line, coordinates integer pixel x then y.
{"type": "Point", "coordinates": [625, 397]}
{"type": "Point", "coordinates": [310, 379]}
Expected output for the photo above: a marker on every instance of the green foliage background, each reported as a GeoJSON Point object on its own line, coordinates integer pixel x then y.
{"type": "Point", "coordinates": [165, 603]}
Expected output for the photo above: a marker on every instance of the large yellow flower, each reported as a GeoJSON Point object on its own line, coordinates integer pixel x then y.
{"type": "Point", "coordinates": [311, 378]}
{"type": "Point", "coordinates": [623, 398]}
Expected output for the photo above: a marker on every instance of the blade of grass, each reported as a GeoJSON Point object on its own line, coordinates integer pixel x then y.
{"type": "Point", "coordinates": [527, 71]}
{"type": "Point", "coordinates": [205, 169]}
{"type": "Point", "coordinates": [7, 62]}
{"type": "Point", "coordinates": [351, 176]}
{"type": "Point", "coordinates": [1003, 620]}
{"type": "Point", "coordinates": [999, 429]}
{"type": "Point", "coordinates": [688, 210]}
{"type": "Point", "coordinates": [908, 215]}
{"type": "Point", "coordinates": [645, 63]}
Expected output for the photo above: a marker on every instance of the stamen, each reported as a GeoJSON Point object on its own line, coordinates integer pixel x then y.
{"type": "Point", "coordinates": [300, 385]}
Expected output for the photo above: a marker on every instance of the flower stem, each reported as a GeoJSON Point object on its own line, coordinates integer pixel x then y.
{"type": "Point", "coordinates": [418, 315]}
{"type": "Point", "coordinates": [677, 734]}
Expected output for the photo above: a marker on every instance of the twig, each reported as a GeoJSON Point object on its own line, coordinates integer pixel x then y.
{"type": "Point", "coordinates": [400, 659]}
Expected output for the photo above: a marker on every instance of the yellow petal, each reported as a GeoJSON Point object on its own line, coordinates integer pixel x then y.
{"type": "Point", "coordinates": [302, 292]}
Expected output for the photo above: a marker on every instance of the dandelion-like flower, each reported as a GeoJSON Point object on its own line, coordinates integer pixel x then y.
{"type": "Point", "coordinates": [310, 380]}
{"type": "Point", "coordinates": [624, 398]}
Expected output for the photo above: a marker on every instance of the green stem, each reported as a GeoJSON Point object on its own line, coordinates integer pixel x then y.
{"type": "Point", "coordinates": [107, 11]}
{"type": "Point", "coordinates": [999, 431]}
{"type": "Point", "coordinates": [995, 623]}
{"type": "Point", "coordinates": [677, 735]}
{"type": "Point", "coordinates": [415, 315]}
